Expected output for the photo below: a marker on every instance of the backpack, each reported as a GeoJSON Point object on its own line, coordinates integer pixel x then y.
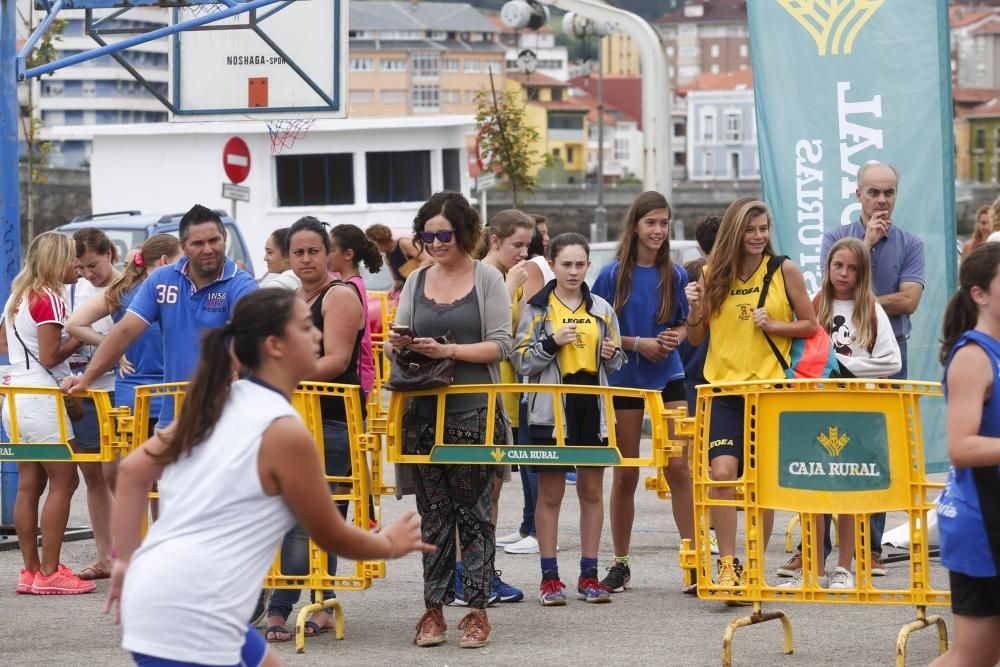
{"type": "Point", "coordinates": [811, 357]}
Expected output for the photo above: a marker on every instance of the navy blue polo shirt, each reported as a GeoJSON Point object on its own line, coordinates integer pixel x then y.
{"type": "Point", "coordinates": [897, 258]}
{"type": "Point", "coordinates": [169, 297]}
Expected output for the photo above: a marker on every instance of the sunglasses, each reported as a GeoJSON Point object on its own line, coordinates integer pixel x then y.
{"type": "Point", "coordinates": [442, 236]}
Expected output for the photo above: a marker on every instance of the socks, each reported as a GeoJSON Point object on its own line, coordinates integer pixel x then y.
{"type": "Point", "coordinates": [622, 559]}
{"type": "Point", "coordinates": [587, 564]}
{"type": "Point", "coordinates": [550, 568]}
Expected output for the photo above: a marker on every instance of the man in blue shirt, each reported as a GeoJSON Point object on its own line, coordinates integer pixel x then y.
{"type": "Point", "coordinates": [898, 275]}
{"type": "Point", "coordinates": [187, 298]}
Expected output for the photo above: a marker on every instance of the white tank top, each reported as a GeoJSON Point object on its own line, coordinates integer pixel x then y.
{"type": "Point", "coordinates": [192, 585]}
{"type": "Point", "coordinates": [543, 266]}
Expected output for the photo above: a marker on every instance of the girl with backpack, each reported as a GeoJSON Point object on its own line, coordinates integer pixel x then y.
{"type": "Point", "coordinates": [568, 336]}
{"type": "Point", "coordinates": [726, 301]}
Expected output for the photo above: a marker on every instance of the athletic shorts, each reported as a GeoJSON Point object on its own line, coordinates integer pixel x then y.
{"type": "Point", "coordinates": [674, 392]}
{"type": "Point", "coordinates": [974, 596]}
{"type": "Point", "coordinates": [725, 432]}
{"type": "Point", "coordinates": [88, 429]}
{"type": "Point", "coordinates": [583, 428]}
{"type": "Point", "coordinates": [251, 655]}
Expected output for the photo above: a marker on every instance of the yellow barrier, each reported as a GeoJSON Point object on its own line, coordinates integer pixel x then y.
{"type": "Point", "coordinates": [816, 446]}
{"type": "Point", "coordinates": [494, 451]}
{"type": "Point", "coordinates": [355, 488]}
{"type": "Point", "coordinates": [111, 444]}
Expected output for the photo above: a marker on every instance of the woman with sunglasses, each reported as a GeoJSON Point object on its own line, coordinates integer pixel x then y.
{"type": "Point", "coordinates": [467, 301]}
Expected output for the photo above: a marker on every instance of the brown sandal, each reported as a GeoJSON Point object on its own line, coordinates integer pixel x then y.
{"type": "Point", "coordinates": [93, 572]}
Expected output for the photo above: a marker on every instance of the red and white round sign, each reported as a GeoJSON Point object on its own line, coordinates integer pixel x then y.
{"type": "Point", "coordinates": [236, 160]}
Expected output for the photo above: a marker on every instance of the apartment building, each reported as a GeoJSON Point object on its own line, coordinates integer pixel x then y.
{"type": "Point", "coordinates": [413, 58]}
{"type": "Point", "coordinates": [979, 56]}
{"type": "Point", "coordinates": [562, 127]}
{"type": "Point", "coordinates": [550, 59]}
{"type": "Point", "coordinates": [620, 55]}
{"type": "Point", "coordinates": [984, 135]}
{"type": "Point", "coordinates": [965, 22]}
{"type": "Point", "coordinates": [705, 36]}
{"type": "Point", "coordinates": [722, 128]}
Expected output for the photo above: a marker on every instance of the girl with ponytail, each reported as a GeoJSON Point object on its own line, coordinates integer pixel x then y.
{"type": "Point", "coordinates": [237, 473]}
{"type": "Point", "coordinates": [968, 509]}
{"type": "Point", "coordinates": [350, 248]}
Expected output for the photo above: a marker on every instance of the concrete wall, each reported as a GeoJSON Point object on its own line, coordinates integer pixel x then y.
{"type": "Point", "coordinates": [64, 195]}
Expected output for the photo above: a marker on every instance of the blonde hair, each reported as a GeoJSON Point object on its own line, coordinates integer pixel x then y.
{"type": "Point", "coordinates": [995, 216]}
{"type": "Point", "coordinates": [727, 253]}
{"type": "Point", "coordinates": [864, 295]}
{"type": "Point", "coordinates": [44, 268]}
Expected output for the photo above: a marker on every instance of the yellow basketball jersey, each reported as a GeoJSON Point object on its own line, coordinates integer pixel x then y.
{"type": "Point", "coordinates": [580, 354]}
{"type": "Point", "coordinates": [507, 374]}
{"type": "Point", "coordinates": [737, 349]}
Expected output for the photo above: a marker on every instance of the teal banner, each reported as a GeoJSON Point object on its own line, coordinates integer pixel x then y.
{"type": "Point", "coordinates": [833, 451]}
{"type": "Point", "coordinates": [838, 83]}
{"type": "Point", "coordinates": [524, 455]}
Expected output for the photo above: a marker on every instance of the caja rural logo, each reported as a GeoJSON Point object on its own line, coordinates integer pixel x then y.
{"type": "Point", "coordinates": [833, 24]}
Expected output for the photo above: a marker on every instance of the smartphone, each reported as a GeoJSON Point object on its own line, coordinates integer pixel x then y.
{"type": "Point", "coordinates": [401, 330]}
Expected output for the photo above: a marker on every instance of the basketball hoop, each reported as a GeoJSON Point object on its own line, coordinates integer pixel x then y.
{"type": "Point", "coordinates": [285, 132]}
{"type": "Point", "coordinates": [195, 11]}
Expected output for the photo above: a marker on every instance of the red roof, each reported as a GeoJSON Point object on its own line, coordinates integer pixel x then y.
{"type": "Point", "coordinates": [714, 11]}
{"type": "Point", "coordinates": [991, 108]}
{"type": "Point", "coordinates": [963, 17]}
{"type": "Point", "coordinates": [560, 105]}
{"type": "Point", "coordinates": [973, 95]}
{"type": "Point", "coordinates": [991, 28]}
{"type": "Point", "coordinates": [740, 80]}
{"type": "Point", "coordinates": [536, 79]}
{"type": "Point", "coordinates": [624, 93]}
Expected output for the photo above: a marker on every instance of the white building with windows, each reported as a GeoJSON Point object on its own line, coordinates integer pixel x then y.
{"type": "Point", "coordinates": [353, 170]}
{"type": "Point", "coordinates": [549, 59]}
{"type": "Point", "coordinates": [99, 91]}
{"type": "Point", "coordinates": [722, 130]}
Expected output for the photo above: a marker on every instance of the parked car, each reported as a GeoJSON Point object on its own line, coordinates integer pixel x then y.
{"type": "Point", "coordinates": [681, 251]}
{"type": "Point", "coordinates": [128, 229]}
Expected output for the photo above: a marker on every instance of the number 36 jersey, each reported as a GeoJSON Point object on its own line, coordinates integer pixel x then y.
{"type": "Point", "coordinates": [169, 297]}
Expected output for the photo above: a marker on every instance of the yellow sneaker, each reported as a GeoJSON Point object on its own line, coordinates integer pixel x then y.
{"type": "Point", "coordinates": [729, 576]}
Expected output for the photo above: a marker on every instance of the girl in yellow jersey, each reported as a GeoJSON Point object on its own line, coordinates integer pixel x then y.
{"type": "Point", "coordinates": [569, 336]}
{"type": "Point", "coordinates": [725, 301]}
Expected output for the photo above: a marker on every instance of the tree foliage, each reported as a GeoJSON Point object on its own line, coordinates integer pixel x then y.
{"type": "Point", "coordinates": [506, 139]}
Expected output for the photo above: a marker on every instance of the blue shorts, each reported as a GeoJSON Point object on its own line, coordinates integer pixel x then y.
{"type": "Point", "coordinates": [251, 655]}
{"type": "Point", "coordinates": [725, 432]}
{"type": "Point", "coordinates": [88, 429]}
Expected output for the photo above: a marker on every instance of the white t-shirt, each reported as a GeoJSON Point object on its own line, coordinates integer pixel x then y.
{"type": "Point", "coordinates": [77, 295]}
{"type": "Point", "coordinates": [202, 563]}
{"type": "Point", "coordinates": [884, 358]}
{"type": "Point", "coordinates": [287, 280]}
{"type": "Point", "coordinates": [993, 238]}
{"type": "Point", "coordinates": [543, 264]}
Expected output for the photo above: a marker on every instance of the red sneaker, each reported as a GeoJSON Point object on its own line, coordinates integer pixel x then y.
{"type": "Point", "coordinates": [24, 582]}
{"type": "Point", "coordinates": [61, 582]}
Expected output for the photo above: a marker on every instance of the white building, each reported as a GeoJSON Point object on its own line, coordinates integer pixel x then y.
{"type": "Point", "coordinates": [358, 171]}
{"type": "Point", "coordinates": [551, 60]}
{"type": "Point", "coordinates": [722, 128]}
{"type": "Point", "coordinates": [99, 91]}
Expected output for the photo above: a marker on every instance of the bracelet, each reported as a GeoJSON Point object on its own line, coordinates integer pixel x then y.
{"type": "Point", "coordinates": [635, 344]}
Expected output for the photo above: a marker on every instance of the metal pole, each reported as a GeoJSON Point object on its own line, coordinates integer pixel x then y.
{"type": "Point", "coordinates": [10, 206]}
{"type": "Point", "coordinates": [600, 213]}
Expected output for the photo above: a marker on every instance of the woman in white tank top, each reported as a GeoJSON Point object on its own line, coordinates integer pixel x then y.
{"type": "Point", "coordinates": [234, 476]}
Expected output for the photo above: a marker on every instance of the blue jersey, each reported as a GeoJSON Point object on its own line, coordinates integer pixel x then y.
{"type": "Point", "coordinates": [638, 318]}
{"type": "Point", "coordinates": [145, 354]}
{"type": "Point", "coordinates": [969, 509]}
{"type": "Point", "coordinates": [184, 313]}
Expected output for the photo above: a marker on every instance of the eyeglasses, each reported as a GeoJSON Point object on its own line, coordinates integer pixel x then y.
{"type": "Point", "coordinates": [443, 236]}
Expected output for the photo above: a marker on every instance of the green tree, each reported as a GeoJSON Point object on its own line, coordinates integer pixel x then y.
{"type": "Point", "coordinates": [37, 155]}
{"type": "Point", "coordinates": [506, 139]}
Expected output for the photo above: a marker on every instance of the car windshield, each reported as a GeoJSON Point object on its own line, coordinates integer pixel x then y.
{"type": "Point", "coordinates": [124, 239]}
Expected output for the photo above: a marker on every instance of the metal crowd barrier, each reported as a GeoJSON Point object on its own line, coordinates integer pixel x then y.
{"type": "Point", "coordinates": [495, 451]}
{"type": "Point", "coordinates": [815, 447]}
{"type": "Point", "coordinates": [113, 442]}
{"type": "Point", "coordinates": [355, 488]}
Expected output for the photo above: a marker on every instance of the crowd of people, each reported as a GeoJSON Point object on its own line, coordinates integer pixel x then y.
{"type": "Point", "coordinates": [501, 303]}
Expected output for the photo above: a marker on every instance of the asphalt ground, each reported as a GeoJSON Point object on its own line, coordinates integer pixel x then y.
{"type": "Point", "coordinates": [653, 623]}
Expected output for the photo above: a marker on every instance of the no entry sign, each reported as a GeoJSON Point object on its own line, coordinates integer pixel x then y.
{"type": "Point", "coordinates": [236, 160]}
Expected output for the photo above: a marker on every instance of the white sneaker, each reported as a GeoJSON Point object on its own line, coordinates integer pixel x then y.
{"type": "Point", "coordinates": [796, 580]}
{"type": "Point", "coordinates": [526, 545]}
{"type": "Point", "coordinates": [713, 542]}
{"type": "Point", "coordinates": [841, 579]}
{"type": "Point", "coordinates": [516, 536]}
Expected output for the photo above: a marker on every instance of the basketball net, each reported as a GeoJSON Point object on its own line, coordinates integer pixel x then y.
{"type": "Point", "coordinates": [195, 11]}
{"type": "Point", "coordinates": [285, 132]}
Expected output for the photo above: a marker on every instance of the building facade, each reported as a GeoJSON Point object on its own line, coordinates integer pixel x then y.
{"type": "Point", "coordinates": [561, 121]}
{"type": "Point", "coordinates": [984, 142]}
{"type": "Point", "coordinates": [979, 57]}
{"type": "Point", "coordinates": [620, 55]}
{"type": "Point", "coordinates": [420, 58]}
{"type": "Point", "coordinates": [551, 59]}
{"type": "Point", "coordinates": [705, 36]}
{"type": "Point", "coordinates": [722, 135]}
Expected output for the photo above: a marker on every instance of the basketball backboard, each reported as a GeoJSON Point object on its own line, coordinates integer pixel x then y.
{"type": "Point", "coordinates": [286, 60]}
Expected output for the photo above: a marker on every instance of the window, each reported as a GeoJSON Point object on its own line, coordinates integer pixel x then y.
{"type": "Point", "coordinates": [980, 138]}
{"type": "Point", "coordinates": [399, 34]}
{"type": "Point", "coordinates": [398, 176]}
{"type": "Point", "coordinates": [996, 140]}
{"type": "Point", "coordinates": [680, 159]}
{"type": "Point", "coordinates": [393, 96]}
{"type": "Point", "coordinates": [472, 67]}
{"type": "Point", "coordinates": [315, 180]}
{"type": "Point", "coordinates": [565, 121]}
{"type": "Point", "coordinates": [451, 97]}
{"type": "Point", "coordinates": [555, 153]}
{"type": "Point", "coordinates": [361, 96]}
{"type": "Point", "coordinates": [708, 163]}
{"type": "Point", "coordinates": [426, 98]}
{"type": "Point", "coordinates": [52, 88]}
{"type": "Point", "coordinates": [557, 94]}
{"type": "Point", "coordinates": [744, 50]}
{"type": "Point", "coordinates": [714, 69]}
{"type": "Point", "coordinates": [679, 129]}
{"type": "Point", "coordinates": [361, 65]}
{"type": "Point", "coordinates": [393, 64]}
{"type": "Point", "coordinates": [89, 88]}
{"type": "Point", "coordinates": [670, 52]}
{"type": "Point", "coordinates": [980, 170]}
{"type": "Point", "coordinates": [569, 154]}
{"type": "Point", "coordinates": [621, 149]}
{"type": "Point", "coordinates": [734, 126]}
{"type": "Point", "coordinates": [451, 64]}
{"type": "Point", "coordinates": [471, 96]}
{"type": "Point", "coordinates": [426, 64]}
{"type": "Point", "coordinates": [714, 51]}
{"type": "Point", "coordinates": [707, 126]}
{"type": "Point", "coordinates": [439, 35]}
{"type": "Point", "coordinates": [451, 169]}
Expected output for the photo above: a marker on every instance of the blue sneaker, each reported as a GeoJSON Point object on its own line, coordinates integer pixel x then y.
{"type": "Point", "coordinates": [588, 588]}
{"type": "Point", "coordinates": [459, 600]}
{"type": "Point", "coordinates": [550, 594]}
{"type": "Point", "coordinates": [571, 477]}
{"type": "Point", "coordinates": [506, 592]}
